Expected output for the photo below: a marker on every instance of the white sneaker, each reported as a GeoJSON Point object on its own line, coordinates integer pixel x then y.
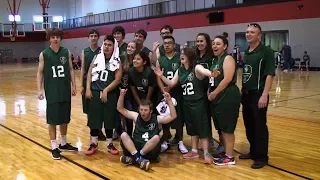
{"type": "Point", "coordinates": [164, 146]}
{"type": "Point", "coordinates": [181, 148]}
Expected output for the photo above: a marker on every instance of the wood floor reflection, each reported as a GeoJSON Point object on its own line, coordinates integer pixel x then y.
{"type": "Point", "coordinates": [293, 121]}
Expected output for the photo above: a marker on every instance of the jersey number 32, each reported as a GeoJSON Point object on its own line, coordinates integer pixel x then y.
{"type": "Point", "coordinates": [187, 89]}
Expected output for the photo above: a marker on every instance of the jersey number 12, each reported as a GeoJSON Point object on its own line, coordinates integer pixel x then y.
{"type": "Point", "coordinates": [57, 71]}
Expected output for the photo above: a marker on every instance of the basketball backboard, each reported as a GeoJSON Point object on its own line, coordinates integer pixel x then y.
{"type": "Point", "coordinates": [43, 22]}
{"type": "Point", "coordinates": [9, 32]}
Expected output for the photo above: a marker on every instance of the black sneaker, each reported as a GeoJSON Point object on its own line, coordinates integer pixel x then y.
{"type": "Point", "coordinates": [258, 164]}
{"type": "Point", "coordinates": [68, 147]}
{"type": "Point", "coordinates": [245, 156]}
{"type": "Point", "coordinates": [56, 154]}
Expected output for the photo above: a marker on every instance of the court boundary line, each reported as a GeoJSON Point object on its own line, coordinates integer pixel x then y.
{"type": "Point", "coordinates": [273, 166]}
{"type": "Point", "coordinates": [294, 98]}
{"type": "Point", "coordinates": [64, 157]}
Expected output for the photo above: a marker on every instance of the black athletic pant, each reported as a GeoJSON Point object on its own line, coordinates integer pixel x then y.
{"type": "Point", "coordinates": [95, 132]}
{"type": "Point", "coordinates": [255, 121]}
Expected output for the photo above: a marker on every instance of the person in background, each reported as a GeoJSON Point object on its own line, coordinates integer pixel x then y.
{"type": "Point", "coordinates": [286, 52]}
{"type": "Point", "coordinates": [305, 60]}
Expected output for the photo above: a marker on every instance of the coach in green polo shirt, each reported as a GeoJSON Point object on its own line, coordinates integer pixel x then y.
{"type": "Point", "coordinates": [258, 72]}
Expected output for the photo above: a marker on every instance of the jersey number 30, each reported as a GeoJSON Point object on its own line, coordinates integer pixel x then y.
{"type": "Point", "coordinates": [187, 89]}
{"type": "Point", "coordinates": [57, 71]}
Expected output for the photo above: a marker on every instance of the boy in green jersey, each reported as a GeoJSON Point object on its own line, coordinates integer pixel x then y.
{"type": "Point", "coordinates": [87, 56]}
{"type": "Point", "coordinates": [55, 73]}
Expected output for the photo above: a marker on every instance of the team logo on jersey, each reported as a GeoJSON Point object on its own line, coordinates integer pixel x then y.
{"type": "Point", "coordinates": [175, 66]}
{"type": "Point", "coordinates": [151, 126]}
{"type": "Point", "coordinates": [124, 80]}
{"type": "Point", "coordinates": [247, 72]}
{"type": "Point", "coordinates": [144, 82]}
{"type": "Point", "coordinates": [63, 60]}
{"type": "Point", "coordinates": [190, 76]}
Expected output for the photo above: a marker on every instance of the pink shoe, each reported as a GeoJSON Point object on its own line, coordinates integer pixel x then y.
{"type": "Point", "coordinates": [92, 149]}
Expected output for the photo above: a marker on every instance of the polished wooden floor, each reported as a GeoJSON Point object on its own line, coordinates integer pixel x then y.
{"type": "Point", "coordinates": [293, 120]}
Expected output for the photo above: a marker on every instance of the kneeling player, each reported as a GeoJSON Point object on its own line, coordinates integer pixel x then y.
{"type": "Point", "coordinates": [144, 145]}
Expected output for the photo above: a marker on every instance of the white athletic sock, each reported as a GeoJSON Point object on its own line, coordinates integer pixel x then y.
{"type": "Point", "coordinates": [54, 144]}
{"type": "Point", "coordinates": [94, 139]}
{"type": "Point", "coordinates": [134, 152]}
{"type": "Point", "coordinates": [141, 152]}
{"type": "Point", "coordinates": [63, 140]}
{"type": "Point", "coordinates": [109, 141]}
{"type": "Point", "coordinates": [195, 150]}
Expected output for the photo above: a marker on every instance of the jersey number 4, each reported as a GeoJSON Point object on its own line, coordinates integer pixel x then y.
{"type": "Point", "coordinates": [187, 89]}
{"type": "Point", "coordinates": [145, 136]}
{"type": "Point", "coordinates": [57, 71]}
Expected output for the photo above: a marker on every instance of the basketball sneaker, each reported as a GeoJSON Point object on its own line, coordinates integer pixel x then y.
{"type": "Point", "coordinates": [225, 160]}
{"type": "Point", "coordinates": [56, 154]}
{"type": "Point", "coordinates": [181, 148]}
{"type": "Point", "coordinates": [113, 150]}
{"type": "Point", "coordinates": [164, 146]}
{"type": "Point", "coordinates": [92, 149]}
{"type": "Point", "coordinates": [208, 158]}
{"type": "Point", "coordinates": [127, 160]}
{"type": "Point", "coordinates": [67, 147]}
{"type": "Point", "coordinates": [218, 156]}
{"type": "Point", "coordinates": [143, 163]}
{"type": "Point", "coordinates": [191, 155]}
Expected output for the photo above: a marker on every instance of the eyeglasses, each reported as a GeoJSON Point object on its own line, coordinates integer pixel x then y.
{"type": "Point", "coordinates": [168, 43]}
{"type": "Point", "coordinates": [255, 25]}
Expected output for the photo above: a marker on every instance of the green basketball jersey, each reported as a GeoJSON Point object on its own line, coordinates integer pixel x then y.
{"type": "Point", "coordinates": [145, 130]}
{"type": "Point", "coordinates": [217, 63]}
{"type": "Point", "coordinates": [205, 61]}
{"type": "Point", "coordinates": [88, 57]}
{"type": "Point", "coordinates": [104, 79]}
{"type": "Point", "coordinates": [142, 80]}
{"type": "Point", "coordinates": [123, 49]}
{"type": "Point", "coordinates": [170, 66]}
{"type": "Point", "coordinates": [163, 53]}
{"type": "Point", "coordinates": [57, 83]}
{"type": "Point", "coordinates": [192, 87]}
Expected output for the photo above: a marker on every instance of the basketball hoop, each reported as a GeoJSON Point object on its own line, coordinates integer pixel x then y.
{"type": "Point", "coordinates": [13, 38]}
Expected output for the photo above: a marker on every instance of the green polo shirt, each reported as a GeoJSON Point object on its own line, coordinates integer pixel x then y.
{"type": "Point", "coordinates": [258, 64]}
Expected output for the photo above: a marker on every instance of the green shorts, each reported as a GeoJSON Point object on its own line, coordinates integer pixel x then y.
{"type": "Point", "coordinates": [195, 116]}
{"type": "Point", "coordinates": [58, 113]}
{"type": "Point", "coordinates": [225, 109]}
{"type": "Point", "coordinates": [102, 113]}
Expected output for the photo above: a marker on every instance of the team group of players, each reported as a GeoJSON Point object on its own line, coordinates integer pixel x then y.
{"type": "Point", "coordinates": [121, 84]}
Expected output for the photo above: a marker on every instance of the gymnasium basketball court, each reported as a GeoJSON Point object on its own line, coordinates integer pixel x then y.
{"type": "Point", "coordinates": [25, 151]}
